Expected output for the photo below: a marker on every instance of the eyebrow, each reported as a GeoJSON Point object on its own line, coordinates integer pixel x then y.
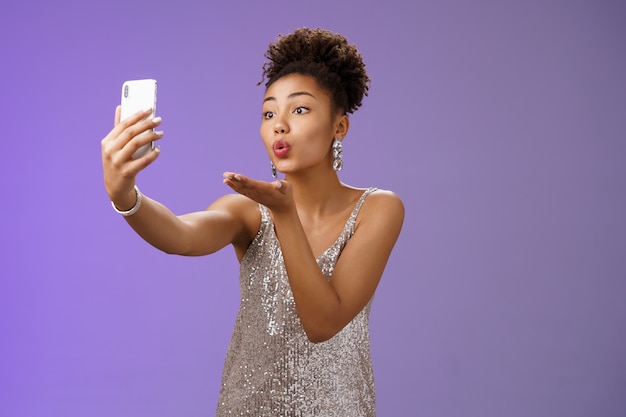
{"type": "Point", "coordinates": [292, 95]}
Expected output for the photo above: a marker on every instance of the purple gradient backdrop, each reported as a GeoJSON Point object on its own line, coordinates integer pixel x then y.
{"type": "Point", "coordinates": [500, 124]}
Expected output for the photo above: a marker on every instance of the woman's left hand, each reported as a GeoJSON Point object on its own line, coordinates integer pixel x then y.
{"type": "Point", "coordinates": [276, 195]}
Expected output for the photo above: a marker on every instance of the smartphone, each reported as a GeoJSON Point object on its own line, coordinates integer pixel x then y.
{"type": "Point", "coordinates": [139, 95]}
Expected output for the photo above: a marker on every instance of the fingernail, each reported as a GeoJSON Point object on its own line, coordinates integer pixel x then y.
{"type": "Point", "coordinates": [237, 178]}
{"type": "Point", "coordinates": [279, 185]}
{"type": "Point", "coordinates": [156, 119]}
{"type": "Point", "coordinates": [158, 132]}
{"type": "Point", "coordinates": [157, 149]}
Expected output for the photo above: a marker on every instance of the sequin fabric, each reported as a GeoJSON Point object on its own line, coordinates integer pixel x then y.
{"type": "Point", "coordinates": [271, 368]}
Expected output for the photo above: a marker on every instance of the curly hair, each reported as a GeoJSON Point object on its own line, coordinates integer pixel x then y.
{"type": "Point", "coordinates": [336, 65]}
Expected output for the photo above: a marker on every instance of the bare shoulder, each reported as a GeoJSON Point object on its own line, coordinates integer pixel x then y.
{"type": "Point", "coordinates": [385, 209]}
{"type": "Point", "coordinates": [384, 200]}
{"type": "Point", "coordinates": [385, 197]}
{"type": "Point", "coordinates": [239, 207]}
{"type": "Point", "coordinates": [242, 210]}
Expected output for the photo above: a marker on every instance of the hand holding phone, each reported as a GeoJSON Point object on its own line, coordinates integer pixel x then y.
{"type": "Point", "coordinates": [139, 95]}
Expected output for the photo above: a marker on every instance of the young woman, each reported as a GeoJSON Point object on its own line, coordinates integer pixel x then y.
{"type": "Point", "coordinates": [312, 249]}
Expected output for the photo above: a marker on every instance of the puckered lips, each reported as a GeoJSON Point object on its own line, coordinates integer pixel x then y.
{"type": "Point", "coordinates": [281, 148]}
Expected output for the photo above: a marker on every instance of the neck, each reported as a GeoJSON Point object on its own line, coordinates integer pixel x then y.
{"type": "Point", "coordinates": [316, 193]}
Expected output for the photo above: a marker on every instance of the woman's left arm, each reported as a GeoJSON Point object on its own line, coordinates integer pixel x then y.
{"type": "Point", "coordinates": [327, 306]}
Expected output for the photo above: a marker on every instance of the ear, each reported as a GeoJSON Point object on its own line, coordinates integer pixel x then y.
{"type": "Point", "coordinates": [342, 125]}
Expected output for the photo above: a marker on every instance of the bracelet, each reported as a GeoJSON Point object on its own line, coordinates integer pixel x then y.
{"type": "Point", "coordinates": [134, 209]}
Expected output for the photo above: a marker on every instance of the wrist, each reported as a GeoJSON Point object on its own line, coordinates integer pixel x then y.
{"type": "Point", "coordinates": [128, 205]}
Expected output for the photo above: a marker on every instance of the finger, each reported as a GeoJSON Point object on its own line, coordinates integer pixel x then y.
{"type": "Point", "coordinates": [232, 176]}
{"type": "Point", "coordinates": [134, 167]}
{"type": "Point", "coordinates": [134, 119]}
{"type": "Point", "coordinates": [241, 182]}
{"type": "Point", "coordinates": [138, 129]}
{"type": "Point", "coordinates": [140, 125]}
{"type": "Point", "coordinates": [280, 186]}
{"type": "Point", "coordinates": [259, 191]}
{"type": "Point", "coordinates": [114, 133]}
{"type": "Point", "coordinates": [229, 174]}
{"type": "Point", "coordinates": [233, 181]}
{"type": "Point", "coordinates": [136, 142]}
{"type": "Point", "coordinates": [121, 126]}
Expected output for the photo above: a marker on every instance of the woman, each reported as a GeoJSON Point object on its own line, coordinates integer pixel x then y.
{"type": "Point", "coordinates": [312, 249]}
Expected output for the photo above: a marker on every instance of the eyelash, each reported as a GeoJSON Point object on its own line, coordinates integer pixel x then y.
{"type": "Point", "coordinates": [269, 114]}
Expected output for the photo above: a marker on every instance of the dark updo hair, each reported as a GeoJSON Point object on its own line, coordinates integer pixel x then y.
{"type": "Point", "coordinates": [336, 65]}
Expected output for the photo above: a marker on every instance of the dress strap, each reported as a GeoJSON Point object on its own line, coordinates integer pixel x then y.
{"type": "Point", "coordinates": [265, 213]}
{"type": "Point", "coordinates": [367, 192]}
{"type": "Point", "coordinates": [348, 229]}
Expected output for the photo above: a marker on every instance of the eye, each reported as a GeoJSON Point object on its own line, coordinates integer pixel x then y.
{"type": "Point", "coordinates": [301, 110]}
{"type": "Point", "coordinates": [268, 114]}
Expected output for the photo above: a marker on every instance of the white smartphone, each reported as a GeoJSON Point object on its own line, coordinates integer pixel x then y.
{"type": "Point", "coordinates": [139, 95]}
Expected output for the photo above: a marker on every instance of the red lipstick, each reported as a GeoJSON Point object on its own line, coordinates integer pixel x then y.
{"type": "Point", "coordinates": [281, 148]}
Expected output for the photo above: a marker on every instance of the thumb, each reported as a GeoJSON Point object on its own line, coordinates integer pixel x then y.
{"type": "Point", "coordinates": [118, 112]}
{"type": "Point", "coordinates": [281, 185]}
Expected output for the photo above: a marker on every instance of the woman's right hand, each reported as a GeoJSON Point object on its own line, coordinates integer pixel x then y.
{"type": "Point", "coordinates": [120, 169]}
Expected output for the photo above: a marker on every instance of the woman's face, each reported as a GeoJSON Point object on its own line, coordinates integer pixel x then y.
{"type": "Point", "coordinates": [298, 125]}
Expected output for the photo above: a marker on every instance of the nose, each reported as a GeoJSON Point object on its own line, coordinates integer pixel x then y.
{"type": "Point", "coordinates": [280, 126]}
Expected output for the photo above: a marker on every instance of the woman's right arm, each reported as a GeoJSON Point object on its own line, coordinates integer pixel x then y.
{"type": "Point", "coordinates": [197, 233]}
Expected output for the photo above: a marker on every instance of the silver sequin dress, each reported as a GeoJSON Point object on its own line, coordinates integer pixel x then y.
{"type": "Point", "coordinates": [271, 368]}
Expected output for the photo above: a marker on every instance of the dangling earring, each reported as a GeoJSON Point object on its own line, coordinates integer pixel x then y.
{"type": "Point", "coordinates": [337, 155]}
{"type": "Point", "coordinates": [273, 170]}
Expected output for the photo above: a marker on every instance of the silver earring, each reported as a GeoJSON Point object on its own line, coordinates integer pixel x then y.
{"type": "Point", "coordinates": [273, 170]}
{"type": "Point", "coordinates": [337, 155]}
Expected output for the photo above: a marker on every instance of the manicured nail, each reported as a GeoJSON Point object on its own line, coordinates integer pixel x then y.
{"type": "Point", "coordinates": [237, 178]}
{"type": "Point", "coordinates": [279, 185]}
{"type": "Point", "coordinates": [156, 119]}
{"type": "Point", "coordinates": [158, 133]}
{"type": "Point", "coordinates": [157, 149]}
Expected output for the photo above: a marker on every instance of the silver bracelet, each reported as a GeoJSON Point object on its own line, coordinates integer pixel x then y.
{"type": "Point", "coordinates": [134, 209]}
